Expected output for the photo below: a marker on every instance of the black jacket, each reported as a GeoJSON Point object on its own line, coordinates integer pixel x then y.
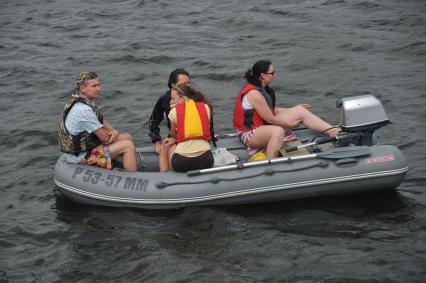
{"type": "Point", "coordinates": [161, 107]}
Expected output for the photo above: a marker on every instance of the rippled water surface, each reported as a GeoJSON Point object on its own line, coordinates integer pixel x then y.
{"type": "Point", "coordinates": [322, 50]}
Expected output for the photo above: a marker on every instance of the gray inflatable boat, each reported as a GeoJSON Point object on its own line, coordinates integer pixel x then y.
{"type": "Point", "coordinates": [351, 163]}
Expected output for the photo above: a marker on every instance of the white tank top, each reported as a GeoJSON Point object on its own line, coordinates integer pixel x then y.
{"type": "Point", "coordinates": [246, 104]}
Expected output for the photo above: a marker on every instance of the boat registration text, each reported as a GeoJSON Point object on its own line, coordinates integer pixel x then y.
{"type": "Point", "coordinates": [111, 180]}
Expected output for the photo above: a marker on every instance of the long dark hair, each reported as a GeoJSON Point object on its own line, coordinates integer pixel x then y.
{"type": "Point", "coordinates": [198, 96]}
{"type": "Point", "coordinates": [252, 75]}
{"type": "Point", "coordinates": [174, 76]}
{"type": "Point", "coordinates": [195, 95]}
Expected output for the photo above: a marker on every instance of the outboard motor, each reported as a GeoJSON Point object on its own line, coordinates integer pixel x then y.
{"type": "Point", "coordinates": [361, 116]}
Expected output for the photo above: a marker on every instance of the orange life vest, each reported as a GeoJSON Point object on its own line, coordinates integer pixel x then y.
{"type": "Point", "coordinates": [245, 120]}
{"type": "Point", "coordinates": [192, 121]}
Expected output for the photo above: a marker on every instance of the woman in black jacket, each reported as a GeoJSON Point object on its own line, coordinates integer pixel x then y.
{"type": "Point", "coordinates": [177, 77]}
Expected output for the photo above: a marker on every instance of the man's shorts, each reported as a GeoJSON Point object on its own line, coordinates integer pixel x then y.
{"type": "Point", "coordinates": [102, 155]}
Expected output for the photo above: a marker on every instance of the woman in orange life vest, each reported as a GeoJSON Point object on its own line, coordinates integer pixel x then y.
{"type": "Point", "coordinates": [188, 145]}
{"type": "Point", "coordinates": [260, 124]}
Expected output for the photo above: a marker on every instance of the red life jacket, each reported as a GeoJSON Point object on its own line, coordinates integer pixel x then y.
{"type": "Point", "coordinates": [246, 120]}
{"type": "Point", "coordinates": [192, 121]}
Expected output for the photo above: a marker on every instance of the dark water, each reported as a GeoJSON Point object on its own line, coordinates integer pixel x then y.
{"type": "Point", "coordinates": [322, 50]}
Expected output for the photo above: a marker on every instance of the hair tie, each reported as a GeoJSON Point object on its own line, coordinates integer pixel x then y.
{"type": "Point", "coordinates": [180, 92]}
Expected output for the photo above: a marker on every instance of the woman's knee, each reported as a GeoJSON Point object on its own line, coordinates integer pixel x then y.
{"type": "Point", "coordinates": [264, 134]}
{"type": "Point", "coordinates": [300, 110]}
{"type": "Point", "coordinates": [164, 150]}
{"type": "Point", "coordinates": [277, 132]}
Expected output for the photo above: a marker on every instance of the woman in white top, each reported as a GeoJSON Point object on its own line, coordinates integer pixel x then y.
{"type": "Point", "coordinates": [261, 125]}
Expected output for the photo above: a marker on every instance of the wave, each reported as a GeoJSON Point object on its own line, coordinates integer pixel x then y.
{"type": "Point", "coordinates": [416, 48]}
{"type": "Point", "coordinates": [220, 77]}
{"type": "Point", "coordinates": [416, 181]}
{"type": "Point", "coordinates": [365, 5]}
{"type": "Point", "coordinates": [159, 59]}
{"type": "Point", "coordinates": [17, 137]}
{"type": "Point", "coordinates": [333, 2]}
{"type": "Point", "coordinates": [285, 13]}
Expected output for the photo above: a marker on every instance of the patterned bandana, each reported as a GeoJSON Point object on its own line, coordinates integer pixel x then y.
{"type": "Point", "coordinates": [82, 77]}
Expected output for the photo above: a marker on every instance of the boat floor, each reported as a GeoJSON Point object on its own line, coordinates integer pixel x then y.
{"type": "Point", "coordinates": [147, 158]}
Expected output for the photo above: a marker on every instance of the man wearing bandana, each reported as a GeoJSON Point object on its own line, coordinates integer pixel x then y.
{"type": "Point", "coordinates": [84, 134]}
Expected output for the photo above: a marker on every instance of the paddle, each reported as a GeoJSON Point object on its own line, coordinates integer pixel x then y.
{"type": "Point", "coordinates": [335, 153]}
{"type": "Point", "coordinates": [232, 135]}
{"type": "Point", "coordinates": [322, 141]}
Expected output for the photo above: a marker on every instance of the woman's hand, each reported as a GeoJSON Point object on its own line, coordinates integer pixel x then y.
{"type": "Point", "coordinates": [169, 141]}
{"type": "Point", "coordinates": [306, 106]}
{"type": "Point", "coordinates": [157, 146]}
